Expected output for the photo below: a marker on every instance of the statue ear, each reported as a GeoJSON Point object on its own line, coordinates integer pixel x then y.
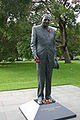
{"type": "Point", "coordinates": [42, 18]}
{"type": "Point", "coordinates": [44, 15]}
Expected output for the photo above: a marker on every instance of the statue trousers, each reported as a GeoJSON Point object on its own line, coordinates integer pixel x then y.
{"type": "Point", "coordinates": [44, 73]}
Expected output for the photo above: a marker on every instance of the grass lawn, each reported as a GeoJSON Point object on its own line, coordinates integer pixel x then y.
{"type": "Point", "coordinates": [24, 75]}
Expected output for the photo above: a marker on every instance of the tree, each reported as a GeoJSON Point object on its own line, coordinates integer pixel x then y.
{"type": "Point", "coordinates": [63, 13]}
{"type": "Point", "coordinates": [74, 40]}
{"type": "Point", "coordinates": [13, 21]}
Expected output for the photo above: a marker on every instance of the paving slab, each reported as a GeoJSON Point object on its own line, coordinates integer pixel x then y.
{"type": "Point", "coordinates": [67, 95]}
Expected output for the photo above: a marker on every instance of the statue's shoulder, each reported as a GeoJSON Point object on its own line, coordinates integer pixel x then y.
{"type": "Point", "coordinates": [37, 27]}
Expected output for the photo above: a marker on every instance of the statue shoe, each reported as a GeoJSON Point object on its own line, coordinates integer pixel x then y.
{"type": "Point", "coordinates": [46, 101]}
{"type": "Point", "coordinates": [49, 100]}
{"type": "Point", "coordinates": [40, 101]}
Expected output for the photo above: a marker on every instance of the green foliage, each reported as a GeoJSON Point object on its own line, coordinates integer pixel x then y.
{"type": "Point", "coordinates": [17, 18]}
{"type": "Point", "coordinates": [62, 14]}
{"type": "Point", "coordinates": [23, 48]}
{"type": "Point", "coordinates": [57, 9]}
{"type": "Point", "coordinates": [13, 27]}
{"type": "Point", "coordinates": [74, 40]}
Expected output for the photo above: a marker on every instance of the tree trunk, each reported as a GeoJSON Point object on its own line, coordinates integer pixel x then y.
{"type": "Point", "coordinates": [66, 55]}
{"type": "Point", "coordinates": [63, 36]}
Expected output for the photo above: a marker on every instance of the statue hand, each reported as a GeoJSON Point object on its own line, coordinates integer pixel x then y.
{"type": "Point", "coordinates": [56, 65]}
{"type": "Point", "coordinates": [37, 60]}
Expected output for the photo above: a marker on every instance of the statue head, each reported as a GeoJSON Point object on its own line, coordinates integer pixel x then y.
{"type": "Point", "coordinates": [45, 20]}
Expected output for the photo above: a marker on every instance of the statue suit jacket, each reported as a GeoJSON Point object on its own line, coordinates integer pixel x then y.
{"type": "Point", "coordinates": [43, 43]}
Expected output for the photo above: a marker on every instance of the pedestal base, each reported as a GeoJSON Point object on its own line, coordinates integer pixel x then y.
{"type": "Point", "coordinates": [54, 111]}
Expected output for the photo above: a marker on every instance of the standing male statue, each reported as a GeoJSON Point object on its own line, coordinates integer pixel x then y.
{"type": "Point", "coordinates": [44, 52]}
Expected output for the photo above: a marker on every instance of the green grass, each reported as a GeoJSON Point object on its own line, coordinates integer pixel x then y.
{"type": "Point", "coordinates": [24, 75]}
{"type": "Point", "coordinates": [67, 74]}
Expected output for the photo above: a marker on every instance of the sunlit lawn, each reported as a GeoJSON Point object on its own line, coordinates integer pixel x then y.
{"type": "Point", "coordinates": [23, 75]}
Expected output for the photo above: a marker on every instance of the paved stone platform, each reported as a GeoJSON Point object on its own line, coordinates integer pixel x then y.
{"type": "Point", "coordinates": [67, 95]}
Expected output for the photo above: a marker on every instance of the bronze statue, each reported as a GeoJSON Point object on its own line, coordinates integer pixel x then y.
{"type": "Point", "coordinates": [44, 51]}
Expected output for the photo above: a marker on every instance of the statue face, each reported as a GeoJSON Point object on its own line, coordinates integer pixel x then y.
{"type": "Point", "coordinates": [45, 21]}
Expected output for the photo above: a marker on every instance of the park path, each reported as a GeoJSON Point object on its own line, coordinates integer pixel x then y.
{"type": "Point", "coordinates": [67, 95]}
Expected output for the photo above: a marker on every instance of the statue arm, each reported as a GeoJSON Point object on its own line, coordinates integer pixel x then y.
{"type": "Point", "coordinates": [34, 42]}
{"type": "Point", "coordinates": [56, 65]}
{"type": "Point", "coordinates": [54, 45]}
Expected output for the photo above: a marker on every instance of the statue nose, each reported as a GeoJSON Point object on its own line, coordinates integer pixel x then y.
{"type": "Point", "coordinates": [47, 21]}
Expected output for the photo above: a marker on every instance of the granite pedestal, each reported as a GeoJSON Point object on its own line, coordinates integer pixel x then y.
{"type": "Point", "coordinates": [53, 111]}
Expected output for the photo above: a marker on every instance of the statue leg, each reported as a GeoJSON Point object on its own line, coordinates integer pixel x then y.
{"type": "Point", "coordinates": [41, 78]}
{"type": "Point", "coordinates": [49, 71]}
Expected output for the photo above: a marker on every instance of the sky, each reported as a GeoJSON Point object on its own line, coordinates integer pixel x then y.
{"type": "Point", "coordinates": [78, 19]}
